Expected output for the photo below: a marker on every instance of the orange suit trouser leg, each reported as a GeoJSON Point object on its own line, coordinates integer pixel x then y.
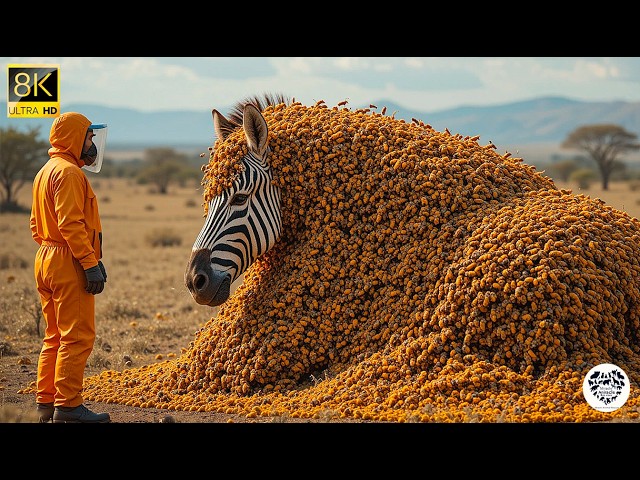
{"type": "Point", "coordinates": [69, 315]}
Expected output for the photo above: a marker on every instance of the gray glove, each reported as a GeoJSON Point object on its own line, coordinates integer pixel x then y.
{"type": "Point", "coordinates": [95, 280]}
{"type": "Point", "coordinates": [102, 269]}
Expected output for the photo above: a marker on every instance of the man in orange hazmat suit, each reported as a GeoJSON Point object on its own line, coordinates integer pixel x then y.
{"type": "Point", "coordinates": [68, 269]}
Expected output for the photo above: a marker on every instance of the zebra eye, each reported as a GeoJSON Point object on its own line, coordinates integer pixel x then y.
{"type": "Point", "coordinates": [239, 199]}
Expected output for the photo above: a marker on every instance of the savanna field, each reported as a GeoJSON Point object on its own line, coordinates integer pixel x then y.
{"type": "Point", "coordinates": [145, 316]}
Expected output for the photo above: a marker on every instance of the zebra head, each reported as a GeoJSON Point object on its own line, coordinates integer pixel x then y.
{"type": "Point", "coordinates": [242, 223]}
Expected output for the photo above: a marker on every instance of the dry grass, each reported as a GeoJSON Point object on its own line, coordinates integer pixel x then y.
{"type": "Point", "coordinates": [145, 314]}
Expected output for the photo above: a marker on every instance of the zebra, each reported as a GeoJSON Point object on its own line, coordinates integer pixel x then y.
{"type": "Point", "coordinates": [242, 222]}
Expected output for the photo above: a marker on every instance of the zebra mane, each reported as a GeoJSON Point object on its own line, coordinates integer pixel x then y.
{"type": "Point", "coordinates": [261, 102]}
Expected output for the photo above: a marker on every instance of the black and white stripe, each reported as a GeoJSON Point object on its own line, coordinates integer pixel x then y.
{"type": "Point", "coordinates": [243, 222]}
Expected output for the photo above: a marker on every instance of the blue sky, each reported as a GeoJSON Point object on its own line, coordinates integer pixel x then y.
{"type": "Point", "coordinates": [426, 84]}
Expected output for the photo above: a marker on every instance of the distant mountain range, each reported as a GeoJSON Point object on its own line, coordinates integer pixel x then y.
{"type": "Point", "coordinates": [545, 120]}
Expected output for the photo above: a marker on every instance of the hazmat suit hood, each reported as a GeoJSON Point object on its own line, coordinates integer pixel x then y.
{"type": "Point", "coordinates": [67, 135]}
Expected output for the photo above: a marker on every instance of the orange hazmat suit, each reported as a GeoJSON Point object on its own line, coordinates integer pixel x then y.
{"type": "Point", "coordinates": [66, 224]}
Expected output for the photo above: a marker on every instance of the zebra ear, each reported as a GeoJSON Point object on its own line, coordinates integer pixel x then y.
{"type": "Point", "coordinates": [255, 129]}
{"type": "Point", "coordinates": [221, 125]}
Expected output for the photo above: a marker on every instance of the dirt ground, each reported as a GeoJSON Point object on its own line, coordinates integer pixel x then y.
{"type": "Point", "coordinates": [18, 365]}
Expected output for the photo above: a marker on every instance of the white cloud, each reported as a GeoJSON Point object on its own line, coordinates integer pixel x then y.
{"type": "Point", "coordinates": [422, 83]}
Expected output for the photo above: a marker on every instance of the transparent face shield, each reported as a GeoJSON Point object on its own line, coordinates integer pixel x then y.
{"type": "Point", "coordinates": [97, 153]}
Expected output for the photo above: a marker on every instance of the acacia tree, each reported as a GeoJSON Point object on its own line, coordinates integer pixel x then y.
{"type": "Point", "coordinates": [20, 157]}
{"type": "Point", "coordinates": [163, 166]}
{"type": "Point", "coordinates": [603, 143]}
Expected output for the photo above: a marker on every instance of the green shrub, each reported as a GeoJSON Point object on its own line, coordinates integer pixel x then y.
{"type": "Point", "coordinates": [583, 177]}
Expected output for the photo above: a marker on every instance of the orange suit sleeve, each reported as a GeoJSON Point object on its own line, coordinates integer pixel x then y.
{"type": "Point", "coordinates": [69, 200]}
{"type": "Point", "coordinates": [34, 230]}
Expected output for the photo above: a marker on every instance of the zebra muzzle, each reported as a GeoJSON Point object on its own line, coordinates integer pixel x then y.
{"type": "Point", "coordinates": [206, 285]}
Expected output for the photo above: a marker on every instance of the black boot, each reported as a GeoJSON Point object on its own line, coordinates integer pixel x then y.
{"type": "Point", "coordinates": [79, 414]}
{"type": "Point", "coordinates": [45, 412]}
